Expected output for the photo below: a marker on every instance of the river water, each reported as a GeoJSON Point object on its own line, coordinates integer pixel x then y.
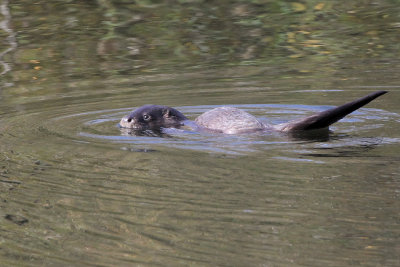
{"type": "Point", "coordinates": [76, 190]}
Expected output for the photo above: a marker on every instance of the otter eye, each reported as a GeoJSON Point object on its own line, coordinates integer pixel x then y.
{"type": "Point", "coordinates": [129, 120]}
{"type": "Point", "coordinates": [146, 117]}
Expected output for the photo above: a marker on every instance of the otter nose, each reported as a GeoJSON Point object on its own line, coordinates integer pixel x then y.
{"type": "Point", "coordinates": [127, 122]}
{"type": "Point", "coordinates": [129, 119]}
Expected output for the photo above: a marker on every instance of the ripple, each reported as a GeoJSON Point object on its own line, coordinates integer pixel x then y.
{"type": "Point", "coordinates": [101, 127]}
{"type": "Point", "coordinates": [365, 127]}
{"type": "Point", "coordinates": [90, 182]}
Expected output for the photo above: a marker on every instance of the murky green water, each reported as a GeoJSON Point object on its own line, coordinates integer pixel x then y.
{"type": "Point", "coordinates": [75, 190]}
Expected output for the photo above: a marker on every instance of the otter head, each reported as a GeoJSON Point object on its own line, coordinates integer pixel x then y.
{"type": "Point", "coordinates": [153, 117]}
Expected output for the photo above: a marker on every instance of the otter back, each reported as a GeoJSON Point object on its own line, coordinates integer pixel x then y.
{"type": "Point", "coordinates": [229, 120]}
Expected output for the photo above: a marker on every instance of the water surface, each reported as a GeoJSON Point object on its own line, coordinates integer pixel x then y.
{"type": "Point", "coordinates": [76, 190]}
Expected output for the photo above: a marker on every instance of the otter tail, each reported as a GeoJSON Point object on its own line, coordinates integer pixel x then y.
{"type": "Point", "coordinates": [325, 118]}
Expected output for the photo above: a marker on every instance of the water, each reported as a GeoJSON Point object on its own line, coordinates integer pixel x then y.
{"type": "Point", "coordinates": [76, 190]}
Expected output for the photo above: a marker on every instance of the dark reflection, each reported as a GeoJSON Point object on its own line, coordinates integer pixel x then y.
{"type": "Point", "coordinates": [320, 135]}
{"type": "Point", "coordinates": [356, 147]}
{"type": "Point", "coordinates": [149, 133]}
{"type": "Point", "coordinates": [19, 220]}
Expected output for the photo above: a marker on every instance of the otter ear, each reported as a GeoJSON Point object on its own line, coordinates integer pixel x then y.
{"type": "Point", "coordinates": [167, 113]}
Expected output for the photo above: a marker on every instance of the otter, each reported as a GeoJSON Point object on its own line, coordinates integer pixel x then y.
{"type": "Point", "coordinates": [230, 120]}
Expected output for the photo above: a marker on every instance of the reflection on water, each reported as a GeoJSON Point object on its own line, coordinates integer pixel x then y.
{"type": "Point", "coordinates": [10, 38]}
{"type": "Point", "coordinates": [75, 189]}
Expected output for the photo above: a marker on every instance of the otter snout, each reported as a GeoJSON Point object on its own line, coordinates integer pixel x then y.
{"type": "Point", "coordinates": [128, 122]}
